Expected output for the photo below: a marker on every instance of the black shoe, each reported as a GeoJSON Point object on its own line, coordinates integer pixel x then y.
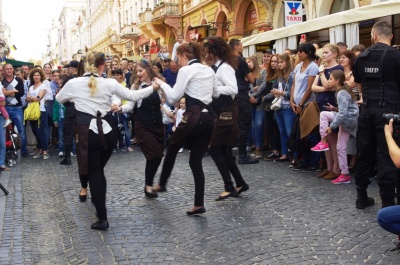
{"type": "Point", "coordinates": [247, 160]}
{"type": "Point", "coordinates": [66, 161]}
{"type": "Point", "coordinates": [388, 203]}
{"type": "Point", "coordinates": [100, 225]}
{"type": "Point", "coordinates": [233, 193]}
{"type": "Point", "coordinates": [82, 198]}
{"type": "Point", "coordinates": [271, 156]}
{"type": "Point", "coordinates": [299, 167]}
{"type": "Point", "coordinates": [362, 203]}
{"type": "Point", "coordinates": [198, 211]}
{"type": "Point", "coordinates": [242, 189]}
{"type": "Point", "coordinates": [151, 194]}
{"type": "Point", "coordinates": [311, 169]}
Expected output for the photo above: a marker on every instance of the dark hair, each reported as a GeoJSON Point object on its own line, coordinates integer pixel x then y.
{"type": "Point", "coordinates": [351, 56]}
{"type": "Point", "coordinates": [167, 60]}
{"type": "Point", "coordinates": [342, 44]}
{"type": "Point", "coordinates": [272, 74]}
{"type": "Point", "coordinates": [358, 48]}
{"type": "Point", "coordinates": [309, 49]}
{"type": "Point", "coordinates": [316, 42]}
{"type": "Point", "coordinates": [218, 47]}
{"type": "Point", "coordinates": [34, 71]}
{"type": "Point", "coordinates": [191, 50]}
{"type": "Point", "coordinates": [233, 43]}
{"type": "Point", "coordinates": [339, 75]}
{"type": "Point", "coordinates": [116, 72]}
{"type": "Point", "coordinates": [159, 66]}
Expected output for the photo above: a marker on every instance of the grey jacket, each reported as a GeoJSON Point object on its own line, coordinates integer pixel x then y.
{"type": "Point", "coordinates": [348, 113]}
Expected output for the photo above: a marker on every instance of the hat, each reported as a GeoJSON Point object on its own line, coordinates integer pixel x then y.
{"type": "Point", "coordinates": [270, 51]}
{"type": "Point", "coordinates": [73, 64]}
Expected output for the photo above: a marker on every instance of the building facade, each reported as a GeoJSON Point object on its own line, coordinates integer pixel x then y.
{"type": "Point", "coordinates": [129, 28]}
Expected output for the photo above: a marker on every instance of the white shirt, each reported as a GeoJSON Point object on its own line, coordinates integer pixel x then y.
{"type": "Point", "coordinates": [35, 92]}
{"type": "Point", "coordinates": [227, 84]}
{"type": "Point", "coordinates": [78, 90]}
{"type": "Point", "coordinates": [176, 45]}
{"type": "Point", "coordinates": [196, 80]}
{"type": "Point", "coordinates": [179, 115]}
{"type": "Point", "coordinates": [49, 93]}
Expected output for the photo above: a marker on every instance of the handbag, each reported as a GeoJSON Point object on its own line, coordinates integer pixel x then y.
{"type": "Point", "coordinates": [309, 118]}
{"type": "Point", "coordinates": [32, 112]}
{"type": "Point", "coordinates": [276, 103]}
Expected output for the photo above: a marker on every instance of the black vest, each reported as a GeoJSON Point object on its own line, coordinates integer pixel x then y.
{"type": "Point", "coordinates": [149, 113]}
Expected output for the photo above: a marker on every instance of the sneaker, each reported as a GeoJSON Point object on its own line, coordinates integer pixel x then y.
{"type": "Point", "coordinates": [258, 154]}
{"type": "Point", "coordinates": [122, 150]}
{"type": "Point", "coordinates": [311, 169]}
{"type": "Point", "coordinates": [38, 155]}
{"type": "Point", "coordinates": [235, 148]}
{"type": "Point", "coordinates": [73, 154]}
{"type": "Point", "coordinates": [8, 122]}
{"type": "Point", "coordinates": [180, 150]}
{"type": "Point", "coordinates": [320, 147]}
{"type": "Point", "coordinates": [61, 154]}
{"type": "Point", "coordinates": [130, 149]}
{"type": "Point", "coordinates": [342, 179]}
{"type": "Point", "coordinates": [46, 156]}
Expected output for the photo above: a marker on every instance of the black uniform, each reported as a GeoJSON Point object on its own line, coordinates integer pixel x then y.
{"type": "Point", "coordinates": [377, 70]}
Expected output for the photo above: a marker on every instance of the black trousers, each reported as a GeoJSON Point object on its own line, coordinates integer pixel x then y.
{"type": "Point", "coordinates": [151, 170]}
{"type": "Point", "coordinates": [223, 158]}
{"type": "Point", "coordinates": [244, 122]}
{"type": "Point", "coordinates": [372, 148]}
{"type": "Point", "coordinates": [69, 127]}
{"type": "Point", "coordinates": [98, 157]}
{"type": "Point", "coordinates": [197, 142]}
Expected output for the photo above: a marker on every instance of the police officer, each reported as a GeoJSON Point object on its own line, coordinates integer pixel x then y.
{"type": "Point", "coordinates": [376, 71]}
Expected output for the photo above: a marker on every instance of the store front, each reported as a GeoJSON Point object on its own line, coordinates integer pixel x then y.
{"type": "Point", "coordinates": [351, 30]}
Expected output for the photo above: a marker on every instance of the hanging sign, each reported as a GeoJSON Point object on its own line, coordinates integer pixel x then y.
{"type": "Point", "coordinates": [293, 12]}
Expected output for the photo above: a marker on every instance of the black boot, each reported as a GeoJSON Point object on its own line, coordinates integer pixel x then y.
{"type": "Point", "coordinates": [67, 158]}
{"type": "Point", "coordinates": [363, 201]}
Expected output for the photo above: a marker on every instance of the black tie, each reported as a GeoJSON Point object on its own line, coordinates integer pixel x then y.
{"type": "Point", "coordinates": [215, 68]}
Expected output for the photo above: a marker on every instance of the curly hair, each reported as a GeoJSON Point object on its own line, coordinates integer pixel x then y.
{"type": "Point", "coordinates": [218, 47]}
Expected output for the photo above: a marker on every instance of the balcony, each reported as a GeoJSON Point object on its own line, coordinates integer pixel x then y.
{"type": "Point", "coordinates": [145, 18]}
{"type": "Point", "coordinates": [130, 32]}
{"type": "Point", "coordinates": [166, 9]}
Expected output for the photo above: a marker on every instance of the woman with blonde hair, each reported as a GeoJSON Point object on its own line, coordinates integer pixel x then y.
{"type": "Point", "coordinates": [92, 94]}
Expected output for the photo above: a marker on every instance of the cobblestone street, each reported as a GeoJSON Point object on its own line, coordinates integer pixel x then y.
{"type": "Point", "coordinates": [286, 217]}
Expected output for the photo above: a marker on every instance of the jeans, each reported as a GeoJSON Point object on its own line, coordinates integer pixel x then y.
{"type": "Point", "coordinates": [124, 121]}
{"type": "Point", "coordinates": [389, 219]}
{"type": "Point", "coordinates": [2, 142]}
{"type": "Point", "coordinates": [42, 131]}
{"type": "Point", "coordinates": [257, 122]}
{"type": "Point", "coordinates": [17, 117]}
{"type": "Point", "coordinates": [284, 119]}
{"type": "Point", "coordinates": [61, 137]}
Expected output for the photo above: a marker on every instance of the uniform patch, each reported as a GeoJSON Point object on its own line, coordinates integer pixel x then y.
{"type": "Point", "coordinates": [226, 116]}
{"type": "Point", "coordinates": [184, 119]}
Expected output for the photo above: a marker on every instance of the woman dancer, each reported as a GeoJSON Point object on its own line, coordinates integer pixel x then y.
{"type": "Point", "coordinates": [149, 128]}
{"type": "Point", "coordinates": [220, 56]}
{"type": "Point", "coordinates": [198, 82]}
{"type": "Point", "coordinates": [92, 96]}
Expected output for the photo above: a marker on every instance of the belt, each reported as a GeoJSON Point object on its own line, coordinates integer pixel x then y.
{"type": "Point", "coordinates": [383, 104]}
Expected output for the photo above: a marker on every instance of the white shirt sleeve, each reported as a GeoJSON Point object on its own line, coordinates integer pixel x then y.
{"type": "Point", "coordinates": [227, 84]}
{"type": "Point", "coordinates": [132, 95]}
{"type": "Point", "coordinates": [176, 93]}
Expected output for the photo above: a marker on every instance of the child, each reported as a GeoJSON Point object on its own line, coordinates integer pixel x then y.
{"type": "Point", "coordinates": [168, 117]}
{"type": "Point", "coordinates": [163, 53]}
{"type": "Point", "coordinates": [3, 109]}
{"type": "Point", "coordinates": [345, 119]}
{"type": "Point", "coordinates": [179, 114]}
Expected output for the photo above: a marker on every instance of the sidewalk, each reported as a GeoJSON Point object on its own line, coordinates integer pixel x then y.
{"type": "Point", "coordinates": [286, 217]}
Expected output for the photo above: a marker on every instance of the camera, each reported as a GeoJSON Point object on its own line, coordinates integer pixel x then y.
{"type": "Point", "coordinates": [396, 125]}
{"type": "Point", "coordinates": [395, 117]}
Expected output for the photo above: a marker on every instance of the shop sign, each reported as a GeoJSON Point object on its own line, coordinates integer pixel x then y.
{"type": "Point", "coordinates": [192, 34]}
{"type": "Point", "coordinates": [293, 12]}
{"type": "Point", "coordinates": [252, 16]}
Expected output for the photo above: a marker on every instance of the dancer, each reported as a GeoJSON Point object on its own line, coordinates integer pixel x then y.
{"type": "Point", "coordinates": [198, 82]}
{"type": "Point", "coordinates": [221, 58]}
{"type": "Point", "coordinates": [91, 94]}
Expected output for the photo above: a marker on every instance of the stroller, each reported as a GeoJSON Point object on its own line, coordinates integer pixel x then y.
{"type": "Point", "coordinates": [13, 144]}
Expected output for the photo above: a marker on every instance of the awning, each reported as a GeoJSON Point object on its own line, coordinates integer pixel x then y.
{"type": "Point", "coordinates": [16, 63]}
{"type": "Point", "coordinates": [354, 15]}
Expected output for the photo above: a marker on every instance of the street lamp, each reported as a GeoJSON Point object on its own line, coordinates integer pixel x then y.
{"type": "Point", "coordinates": [222, 25]}
{"type": "Point", "coordinates": [213, 30]}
